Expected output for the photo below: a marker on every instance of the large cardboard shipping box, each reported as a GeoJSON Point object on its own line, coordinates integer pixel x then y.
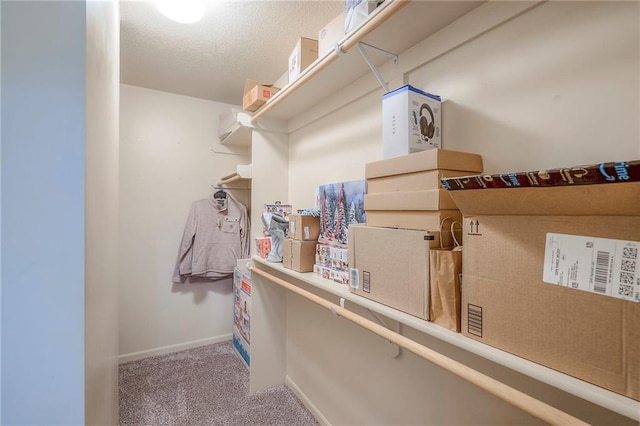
{"type": "Point", "coordinates": [304, 227]}
{"type": "Point", "coordinates": [416, 181]}
{"type": "Point", "coordinates": [552, 275]}
{"type": "Point", "coordinates": [298, 255]}
{"type": "Point", "coordinates": [432, 159]}
{"type": "Point", "coordinates": [256, 94]}
{"type": "Point", "coordinates": [303, 55]}
{"type": "Point", "coordinates": [391, 266]}
{"type": "Point", "coordinates": [411, 121]}
{"type": "Point", "coordinates": [430, 199]}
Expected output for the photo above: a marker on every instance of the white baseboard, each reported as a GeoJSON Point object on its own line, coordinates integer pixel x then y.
{"type": "Point", "coordinates": [307, 402]}
{"type": "Point", "coordinates": [134, 356]}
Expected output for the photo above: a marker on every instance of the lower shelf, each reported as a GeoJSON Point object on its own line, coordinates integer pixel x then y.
{"type": "Point", "coordinates": [587, 391]}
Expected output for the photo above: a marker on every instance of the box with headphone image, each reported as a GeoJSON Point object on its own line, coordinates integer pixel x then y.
{"type": "Point", "coordinates": [411, 121]}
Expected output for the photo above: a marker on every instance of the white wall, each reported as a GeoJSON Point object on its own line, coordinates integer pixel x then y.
{"type": "Point", "coordinates": [43, 148]}
{"type": "Point", "coordinates": [0, 216]}
{"type": "Point", "coordinates": [166, 162]}
{"type": "Point", "coordinates": [101, 214]}
{"type": "Point", "coordinates": [558, 85]}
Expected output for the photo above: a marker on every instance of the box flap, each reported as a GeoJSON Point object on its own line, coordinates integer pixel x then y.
{"type": "Point", "coordinates": [613, 199]}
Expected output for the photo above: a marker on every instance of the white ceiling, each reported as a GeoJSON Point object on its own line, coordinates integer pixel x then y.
{"type": "Point", "coordinates": [236, 40]}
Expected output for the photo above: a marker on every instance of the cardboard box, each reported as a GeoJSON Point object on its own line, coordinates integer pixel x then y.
{"type": "Point", "coordinates": [416, 181]}
{"type": "Point", "coordinates": [411, 219]}
{"type": "Point", "coordinates": [304, 227]}
{"type": "Point", "coordinates": [515, 237]}
{"type": "Point", "coordinates": [430, 199]}
{"type": "Point", "coordinates": [298, 255]}
{"type": "Point", "coordinates": [256, 94]}
{"type": "Point", "coordinates": [411, 121]}
{"type": "Point", "coordinates": [330, 35]}
{"type": "Point", "coordinates": [433, 159]}
{"type": "Point", "coordinates": [356, 12]}
{"type": "Point", "coordinates": [341, 204]}
{"type": "Point", "coordinates": [392, 267]}
{"type": "Point", "coordinates": [303, 55]}
{"type": "Point", "coordinates": [263, 246]}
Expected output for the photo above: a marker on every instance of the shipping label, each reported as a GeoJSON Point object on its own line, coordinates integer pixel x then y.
{"type": "Point", "coordinates": [598, 265]}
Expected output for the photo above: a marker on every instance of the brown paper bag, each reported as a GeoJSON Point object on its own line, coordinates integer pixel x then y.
{"type": "Point", "coordinates": [445, 267]}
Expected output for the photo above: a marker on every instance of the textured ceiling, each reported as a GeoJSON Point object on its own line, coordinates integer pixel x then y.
{"type": "Point", "coordinates": [212, 58]}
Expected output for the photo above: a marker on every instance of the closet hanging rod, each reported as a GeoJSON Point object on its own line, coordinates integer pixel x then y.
{"type": "Point", "coordinates": [230, 180]}
{"type": "Point", "coordinates": [526, 403]}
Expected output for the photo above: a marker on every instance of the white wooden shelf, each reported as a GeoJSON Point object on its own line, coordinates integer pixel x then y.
{"type": "Point", "coordinates": [587, 391]}
{"type": "Point", "coordinates": [240, 136]}
{"type": "Point", "coordinates": [242, 173]}
{"type": "Point", "coordinates": [394, 26]}
{"type": "Point", "coordinates": [240, 132]}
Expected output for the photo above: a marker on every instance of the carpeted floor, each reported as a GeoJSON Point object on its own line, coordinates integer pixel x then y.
{"type": "Point", "coordinates": [203, 386]}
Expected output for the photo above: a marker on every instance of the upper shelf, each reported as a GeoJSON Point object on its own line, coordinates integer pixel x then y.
{"type": "Point", "coordinates": [595, 394]}
{"type": "Point", "coordinates": [242, 173]}
{"type": "Point", "coordinates": [240, 131]}
{"type": "Point", "coordinates": [394, 26]}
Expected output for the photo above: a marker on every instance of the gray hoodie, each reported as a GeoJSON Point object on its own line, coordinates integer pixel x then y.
{"type": "Point", "coordinates": [216, 235]}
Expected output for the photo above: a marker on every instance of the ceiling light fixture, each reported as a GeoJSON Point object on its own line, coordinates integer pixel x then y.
{"type": "Point", "coordinates": [183, 11]}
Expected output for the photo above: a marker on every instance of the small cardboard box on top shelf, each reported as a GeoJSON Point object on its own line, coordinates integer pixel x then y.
{"type": "Point", "coordinates": [305, 52]}
{"type": "Point", "coordinates": [256, 94]}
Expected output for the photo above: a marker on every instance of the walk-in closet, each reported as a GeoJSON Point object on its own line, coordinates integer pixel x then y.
{"type": "Point", "coordinates": [202, 224]}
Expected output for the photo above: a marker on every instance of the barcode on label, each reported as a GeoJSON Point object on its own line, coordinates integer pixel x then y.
{"type": "Point", "coordinates": [353, 278]}
{"type": "Point", "coordinates": [474, 320]}
{"type": "Point", "coordinates": [366, 282]}
{"type": "Point", "coordinates": [601, 276]}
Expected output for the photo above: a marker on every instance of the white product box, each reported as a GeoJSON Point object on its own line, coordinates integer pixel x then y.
{"type": "Point", "coordinates": [330, 34]}
{"type": "Point", "coordinates": [356, 12]}
{"type": "Point", "coordinates": [411, 121]}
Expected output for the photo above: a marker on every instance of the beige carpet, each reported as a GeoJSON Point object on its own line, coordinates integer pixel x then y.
{"type": "Point", "coordinates": [203, 386]}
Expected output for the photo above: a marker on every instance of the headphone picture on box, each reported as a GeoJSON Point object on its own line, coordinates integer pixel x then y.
{"type": "Point", "coordinates": [427, 126]}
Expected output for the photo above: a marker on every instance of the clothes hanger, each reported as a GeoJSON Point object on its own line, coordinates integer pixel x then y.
{"type": "Point", "coordinates": [220, 194]}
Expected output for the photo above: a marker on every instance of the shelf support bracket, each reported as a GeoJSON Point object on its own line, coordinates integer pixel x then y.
{"type": "Point", "coordinates": [395, 349]}
{"type": "Point", "coordinates": [375, 71]}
